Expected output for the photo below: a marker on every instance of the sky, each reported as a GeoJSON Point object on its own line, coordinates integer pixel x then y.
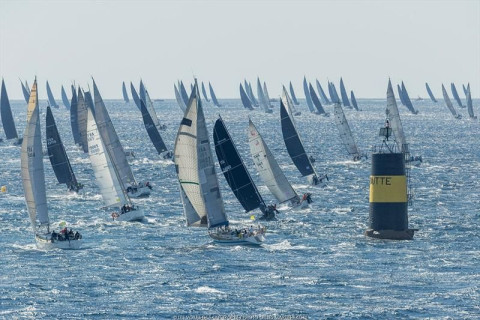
{"type": "Point", "coordinates": [225, 42]}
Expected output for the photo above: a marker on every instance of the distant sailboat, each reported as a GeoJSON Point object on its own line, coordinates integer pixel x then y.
{"type": "Point", "coordinates": [407, 101]}
{"type": "Point", "coordinates": [449, 104]}
{"type": "Point", "coordinates": [51, 99]}
{"type": "Point", "coordinates": [261, 97]}
{"type": "Point", "coordinates": [270, 172]}
{"type": "Point", "coordinates": [456, 96]}
{"type": "Point", "coordinates": [294, 97]}
{"type": "Point", "coordinates": [430, 93]}
{"type": "Point", "coordinates": [33, 178]}
{"type": "Point", "coordinates": [183, 92]}
{"type": "Point", "coordinates": [213, 96]}
{"type": "Point", "coordinates": [308, 96]}
{"type": "Point", "coordinates": [294, 143]}
{"type": "Point", "coordinates": [316, 102]}
{"type": "Point", "coordinates": [82, 119]}
{"type": "Point", "coordinates": [267, 96]}
{"type": "Point", "coordinates": [25, 91]}
{"type": "Point", "coordinates": [135, 96]}
{"type": "Point", "coordinates": [124, 92]}
{"type": "Point", "coordinates": [179, 98]}
{"type": "Point", "coordinates": [400, 95]}
{"type": "Point", "coordinates": [74, 117]}
{"type": "Point", "coordinates": [58, 156]}
{"type": "Point", "coordinates": [251, 96]}
{"type": "Point", "coordinates": [107, 174]}
{"type": "Point", "coordinates": [145, 97]}
{"type": "Point", "coordinates": [469, 103]}
{"type": "Point", "coordinates": [236, 174]}
{"type": "Point", "coordinates": [333, 93]}
{"type": "Point", "coordinates": [245, 99]}
{"type": "Point", "coordinates": [200, 192]}
{"type": "Point", "coordinates": [343, 92]}
{"type": "Point", "coordinates": [204, 92]}
{"type": "Point", "coordinates": [7, 117]}
{"type": "Point", "coordinates": [154, 134]}
{"type": "Point", "coordinates": [65, 101]}
{"type": "Point", "coordinates": [465, 90]}
{"type": "Point", "coordinates": [322, 94]}
{"type": "Point", "coordinates": [345, 133]}
{"type": "Point", "coordinates": [354, 101]}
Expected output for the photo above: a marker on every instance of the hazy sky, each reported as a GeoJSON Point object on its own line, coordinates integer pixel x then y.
{"type": "Point", "coordinates": [224, 42]}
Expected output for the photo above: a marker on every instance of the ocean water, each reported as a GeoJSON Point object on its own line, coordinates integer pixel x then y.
{"type": "Point", "coordinates": [315, 263]}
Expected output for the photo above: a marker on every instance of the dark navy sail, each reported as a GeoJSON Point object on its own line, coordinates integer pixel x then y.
{"type": "Point", "coordinates": [430, 93]}
{"type": "Point", "coordinates": [124, 92]}
{"type": "Point", "coordinates": [152, 130]}
{"type": "Point", "coordinates": [57, 155]}
{"type": "Point", "coordinates": [65, 101]}
{"type": "Point", "coordinates": [74, 117]}
{"type": "Point", "coordinates": [25, 91]}
{"type": "Point", "coordinates": [234, 170]}
{"type": "Point", "coordinates": [316, 101]}
{"type": "Point", "coordinates": [6, 113]}
{"type": "Point", "coordinates": [456, 96]}
{"type": "Point", "coordinates": [245, 99]}
{"type": "Point", "coordinates": [294, 144]}
{"type": "Point", "coordinates": [214, 97]}
{"type": "Point", "coordinates": [343, 92]}
{"type": "Point", "coordinates": [292, 93]}
{"type": "Point", "coordinates": [135, 96]}
{"type": "Point", "coordinates": [204, 92]}
{"type": "Point", "coordinates": [322, 94]}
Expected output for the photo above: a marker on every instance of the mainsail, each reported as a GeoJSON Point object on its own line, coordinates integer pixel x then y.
{"type": "Point", "coordinates": [343, 92]}
{"type": "Point", "coordinates": [6, 113]}
{"type": "Point", "coordinates": [74, 117]}
{"type": "Point", "coordinates": [213, 96]}
{"type": "Point", "coordinates": [135, 96]}
{"type": "Point", "coordinates": [448, 102]}
{"type": "Point", "coordinates": [407, 101]}
{"type": "Point", "coordinates": [204, 92]}
{"type": "Point", "coordinates": [65, 101]}
{"type": "Point", "coordinates": [456, 96]}
{"type": "Point", "coordinates": [152, 130]}
{"type": "Point", "coordinates": [308, 96]}
{"type": "Point", "coordinates": [124, 92]}
{"type": "Point", "coordinates": [322, 94]}
{"type": "Point", "coordinates": [469, 103]}
{"type": "Point", "coordinates": [316, 101]}
{"type": "Point", "coordinates": [196, 170]}
{"type": "Point", "coordinates": [25, 91]}
{"type": "Point", "coordinates": [333, 93]}
{"type": "Point", "coordinates": [354, 101]}
{"type": "Point", "coordinates": [82, 121]}
{"type": "Point", "coordinates": [245, 99]}
{"type": "Point", "coordinates": [251, 96]}
{"type": "Point", "coordinates": [393, 117]}
{"type": "Point", "coordinates": [345, 132]}
{"type": "Point", "coordinates": [268, 168]}
{"type": "Point", "coordinates": [234, 169]}
{"type": "Point", "coordinates": [179, 98]}
{"type": "Point", "coordinates": [183, 92]}
{"type": "Point", "coordinates": [265, 92]}
{"type": "Point", "coordinates": [430, 93]}
{"type": "Point", "coordinates": [261, 97]}
{"type": "Point", "coordinates": [51, 99]}
{"type": "Point", "coordinates": [292, 92]}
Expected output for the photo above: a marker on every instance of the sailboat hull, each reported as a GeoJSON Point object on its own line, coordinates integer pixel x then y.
{"type": "Point", "coordinates": [44, 242]}
{"type": "Point", "coordinates": [138, 192]}
{"type": "Point", "coordinates": [232, 239]}
{"type": "Point", "coordinates": [133, 215]}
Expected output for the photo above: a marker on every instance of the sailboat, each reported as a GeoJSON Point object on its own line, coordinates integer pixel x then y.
{"type": "Point", "coordinates": [469, 103]}
{"type": "Point", "coordinates": [154, 134]}
{"type": "Point", "coordinates": [400, 95]}
{"type": "Point", "coordinates": [294, 97]}
{"type": "Point", "coordinates": [51, 99]}
{"type": "Point", "coordinates": [58, 156]}
{"type": "Point", "coordinates": [179, 98]}
{"type": "Point", "coordinates": [78, 121]}
{"type": "Point", "coordinates": [406, 100]}
{"type": "Point", "coordinates": [316, 102]}
{"type": "Point", "coordinates": [200, 192]}
{"type": "Point", "coordinates": [322, 94]}
{"type": "Point", "coordinates": [354, 101]}
{"type": "Point", "coordinates": [456, 96]}
{"type": "Point", "coordinates": [251, 96]}
{"type": "Point", "coordinates": [7, 117]}
{"type": "Point", "coordinates": [346, 134]}
{"type": "Point", "coordinates": [213, 96]}
{"type": "Point", "coordinates": [271, 173]}
{"type": "Point", "coordinates": [107, 174]}
{"type": "Point", "coordinates": [333, 93]}
{"type": "Point", "coordinates": [25, 91]}
{"type": "Point", "coordinates": [135, 96]}
{"type": "Point", "coordinates": [236, 174]}
{"type": "Point", "coordinates": [65, 101]}
{"type": "Point", "coordinates": [117, 153]}
{"type": "Point", "coordinates": [394, 122]}
{"type": "Point", "coordinates": [204, 92]}
{"type": "Point", "coordinates": [183, 92]}
{"type": "Point", "coordinates": [261, 97]}
{"type": "Point", "coordinates": [33, 178]}
{"type": "Point", "coordinates": [124, 92]}
{"type": "Point", "coordinates": [294, 143]}
{"type": "Point", "coordinates": [245, 99]}
{"type": "Point", "coordinates": [449, 104]}
{"type": "Point", "coordinates": [267, 96]}
{"type": "Point", "coordinates": [430, 93]}
{"type": "Point", "coordinates": [308, 96]}
{"type": "Point", "coordinates": [149, 105]}
{"type": "Point", "coordinates": [465, 90]}
{"type": "Point", "coordinates": [343, 92]}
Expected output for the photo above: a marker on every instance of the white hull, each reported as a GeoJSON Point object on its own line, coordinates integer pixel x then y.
{"type": "Point", "coordinates": [139, 192]}
{"type": "Point", "coordinates": [133, 215]}
{"type": "Point", "coordinates": [47, 244]}
{"type": "Point", "coordinates": [230, 237]}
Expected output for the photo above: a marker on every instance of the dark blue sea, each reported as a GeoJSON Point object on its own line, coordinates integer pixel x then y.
{"type": "Point", "coordinates": [315, 263]}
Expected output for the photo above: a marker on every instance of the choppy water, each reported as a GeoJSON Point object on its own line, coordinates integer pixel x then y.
{"type": "Point", "coordinates": [315, 263]}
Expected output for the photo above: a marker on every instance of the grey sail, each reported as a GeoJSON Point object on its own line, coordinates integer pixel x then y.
{"type": "Point", "coordinates": [82, 120]}
{"type": "Point", "coordinates": [345, 132]}
{"type": "Point", "coordinates": [448, 102]}
{"type": "Point", "coordinates": [183, 92]}
{"type": "Point", "coordinates": [31, 159]}
{"type": "Point", "coordinates": [393, 116]}
{"type": "Point", "coordinates": [408, 102]}
{"type": "Point", "coordinates": [202, 200]}
{"type": "Point", "coordinates": [145, 97]}
{"type": "Point", "coordinates": [354, 101]}
{"type": "Point", "coordinates": [204, 92]}
{"type": "Point", "coordinates": [465, 89]}
{"type": "Point", "coordinates": [135, 96]}
{"type": "Point", "coordinates": [343, 92]}
{"type": "Point", "coordinates": [245, 99]}
{"type": "Point", "coordinates": [74, 117]}
{"type": "Point", "coordinates": [25, 91]}
{"type": "Point", "coordinates": [51, 99]}
{"type": "Point", "coordinates": [430, 93]}
{"type": "Point", "coordinates": [65, 101]}
{"type": "Point", "coordinates": [456, 96]}
{"type": "Point", "coordinates": [179, 98]}
{"type": "Point", "coordinates": [315, 100]}
{"type": "Point", "coordinates": [292, 93]}
{"type": "Point", "coordinates": [248, 90]}
{"type": "Point", "coordinates": [124, 92]}
{"type": "Point", "coordinates": [213, 96]}
{"type": "Point", "coordinates": [111, 140]}
{"type": "Point", "coordinates": [308, 96]}
{"type": "Point", "coordinates": [57, 154]}
{"type": "Point", "coordinates": [333, 93]}
{"type": "Point", "coordinates": [469, 103]}
{"type": "Point", "coordinates": [322, 94]}
{"type": "Point", "coordinates": [265, 103]}
{"type": "Point", "coordinates": [152, 130]}
{"type": "Point", "coordinates": [6, 113]}
{"type": "Point", "coordinates": [400, 95]}
{"type": "Point", "coordinates": [267, 96]}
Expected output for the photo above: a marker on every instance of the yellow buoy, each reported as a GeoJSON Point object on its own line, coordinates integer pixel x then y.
{"type": "Point", "coordinates": [3, 189]}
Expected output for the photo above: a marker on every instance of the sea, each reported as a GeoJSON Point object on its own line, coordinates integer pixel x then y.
{"type": "Point", "coordinates": [315, 263]}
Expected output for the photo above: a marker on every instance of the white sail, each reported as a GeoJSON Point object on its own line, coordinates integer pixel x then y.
{"type": "Point", "coordinates": [261, 97]}
{"type": "Point", "coordinates": [268, 168]}
{"type": "Point", "coordinates": [179, 99]}
{"type": "Point", "coordinates": [393, 117]}
{"type": "Point", "coordinates": [105, 174]}
{"type": "Point", "coordinates": [344, 130]}
{"type": "Point", "coordinates": [196, 169]}
{"type": "Point", "coordinates": [33, 176]}
{"type": "Point", "coordinates": [448, 102]}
